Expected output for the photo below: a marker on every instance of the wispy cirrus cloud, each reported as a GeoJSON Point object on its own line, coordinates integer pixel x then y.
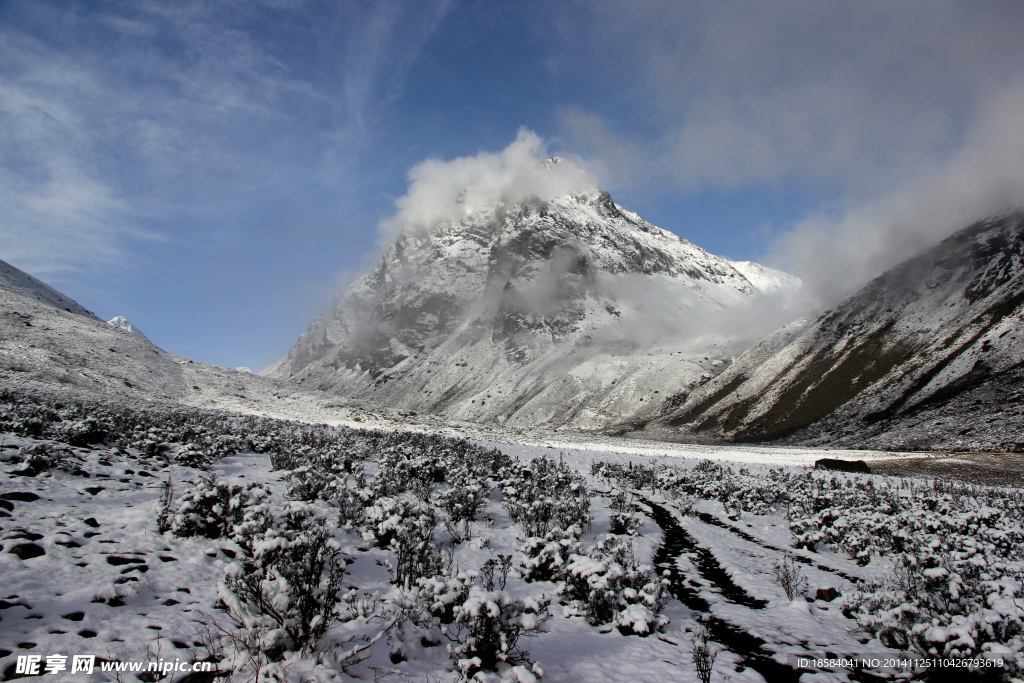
{"type": "Point", "coordinates": [175, 121]}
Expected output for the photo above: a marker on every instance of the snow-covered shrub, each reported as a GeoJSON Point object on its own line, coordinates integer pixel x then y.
{"type": "Point", "coordinates": [403, 472]}
{"type": "Point", "coordinates": [43, 457]}
{"type": "Point", "coordinates": [494, 572]}
{"type": "Point", "coordinates": [211, 508]}
{"type": "Point", "coordinates": [281, 459]}
{"type": "Point", "coordinates": [621, 520]}
{"type": "Point", "coordinates": [406, 528]}
{"type": "Point", "coordinates": [288, 593]}
{"type": "Point", "coordinates": [351, 502]}
{"type": "Point", "coordinates": [84, 431]}
{"type": "Point", "coordinates": [544, 494]}
{"type": "Point", "coordinates": [622, 523]}
{"type": "Point", "coordinates": [441, 595]}
{"type": "Point", "coordinates": [608, 586]}
{"type": "Point", "coordinates": [546, 558]}
{"type": "Point", "coordinates": [151, 442]}
{"type": "Point", "coordinates": [261, 442]}
{"type": "Point", "coordinates": [739, 491]}
{"type": "Point", "coordinates": [193, 455]}
{"type": "Point", "coordinates": [703, 654]}
{"type": "Point", "coordinates": [791, 577]}
{"type": "Point", "coordinates": [308, 483]}
{"type": "Point", "coordinates": [464, 499]}
{"type": "Point", "coordinates": [487, 628]}
{"type": "Point", "coordinates": [950, 607]}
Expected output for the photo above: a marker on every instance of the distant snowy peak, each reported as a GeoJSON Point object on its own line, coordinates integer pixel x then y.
{"type": "Point", "coordinates": [122, 323]}
{"type": "Point", "coordinates": [764, 278]}
{"type": "Point", "coordinates": [19, 282]}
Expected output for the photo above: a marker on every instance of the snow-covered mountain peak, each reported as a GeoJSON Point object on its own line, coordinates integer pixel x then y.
{"type": "Point", "coordinates": [512, 311]}
{"type": "Point", "coordinates": [122, 323]}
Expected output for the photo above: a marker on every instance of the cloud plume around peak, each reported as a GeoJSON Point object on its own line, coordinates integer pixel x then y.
{"type": "Point", "coordinates": [837, 251]}
{"type": "Point", "coordinates": [900, 121]}
{"type": "Point", "coordinates": [442, 190]}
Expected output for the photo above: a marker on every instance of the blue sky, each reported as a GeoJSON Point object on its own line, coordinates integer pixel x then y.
{"type": "Point", "coordinates": [215, 171]}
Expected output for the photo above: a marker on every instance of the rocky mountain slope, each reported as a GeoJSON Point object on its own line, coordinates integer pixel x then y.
{"type": "Point", "coordinates": [566, 312]}
{"type": "Point", "coordinates": [929, 355]}
{"type": "Point", "coordinates": [15, 281]}
{"type": "Point", "coordinates": [47, 340]}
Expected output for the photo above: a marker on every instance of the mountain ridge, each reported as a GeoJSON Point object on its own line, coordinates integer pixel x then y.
{"type": "Point", "coordinates": [888, 366]}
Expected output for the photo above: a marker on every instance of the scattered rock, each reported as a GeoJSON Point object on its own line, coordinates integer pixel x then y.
{"type": "Point", "coordinates": [117, 560]}
{"type": "Point", "coordinates": [854, 466]}
{"type": "Point", "coordinates": [112, 602]}
{"type": "Point", "coordinates": [22, 496]}
{"type": "Point", "coordinates": [93, 490]}
{"type": "Point", "coordinates": [86, 633]}
{"type": "Point", "coordinates": [75, 616]}
{"type": "Point", "coordinates": [827, 594]}
{"type": "Point", "coordinates": [17, 602]}
{"type": "Point", "coordinates": [91, 522]}
{"type": "Point", "coordinates": [167, 558]}
{"type": "Point", "coordinates": [27, 551]}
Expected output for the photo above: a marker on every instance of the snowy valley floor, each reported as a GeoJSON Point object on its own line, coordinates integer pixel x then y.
{"type": "Point", "coordinates": [85, 570]}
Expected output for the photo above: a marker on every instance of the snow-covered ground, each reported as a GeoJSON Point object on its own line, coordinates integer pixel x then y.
{"type": "Point", "coordinates": [100, 542]}
{"type": "Point", "coordinates": [87, 572]}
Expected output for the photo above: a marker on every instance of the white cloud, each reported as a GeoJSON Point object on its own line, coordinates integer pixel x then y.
{"type": "Point", "coordinates": [853, 95]}
{"type": "Point", "coordinates": [449, 190]}
{"type": "Point", "coordinates": [836, 252]}
{"type": "Point", "coordinates": [906, 114]}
